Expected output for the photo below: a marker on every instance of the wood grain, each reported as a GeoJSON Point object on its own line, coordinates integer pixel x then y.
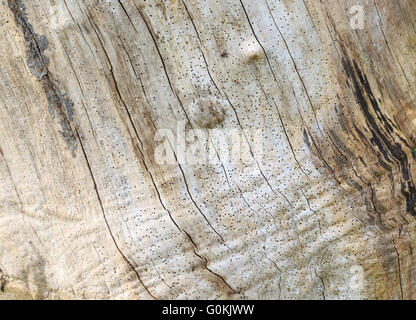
{"type": "Point", "coordinates": [327, 209]}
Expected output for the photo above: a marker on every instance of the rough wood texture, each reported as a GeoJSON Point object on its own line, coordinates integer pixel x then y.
{"type": "Point", "coordinates": [327, 211]}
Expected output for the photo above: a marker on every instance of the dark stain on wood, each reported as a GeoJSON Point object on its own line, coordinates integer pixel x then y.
{"type": "Point", "coordinates": [60, 105]}
{"type": "Point", "coordinates": [3, 280]}
{"type": "Point", "coordinates": [381, 129]}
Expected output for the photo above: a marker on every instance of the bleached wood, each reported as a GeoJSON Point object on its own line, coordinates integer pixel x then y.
{"type": "Point", "coordinates": [326, 212]}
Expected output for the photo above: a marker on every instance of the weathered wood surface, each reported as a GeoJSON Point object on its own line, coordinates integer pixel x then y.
{"type": "Point", "coordinates": [328, 211]}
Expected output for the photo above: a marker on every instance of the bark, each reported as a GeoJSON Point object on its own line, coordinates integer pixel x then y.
{"type": "Point", "coordinates": [325, 211]}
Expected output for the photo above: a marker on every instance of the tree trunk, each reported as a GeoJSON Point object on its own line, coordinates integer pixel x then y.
{"type": "Point", "coordinates": [101, 195]}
